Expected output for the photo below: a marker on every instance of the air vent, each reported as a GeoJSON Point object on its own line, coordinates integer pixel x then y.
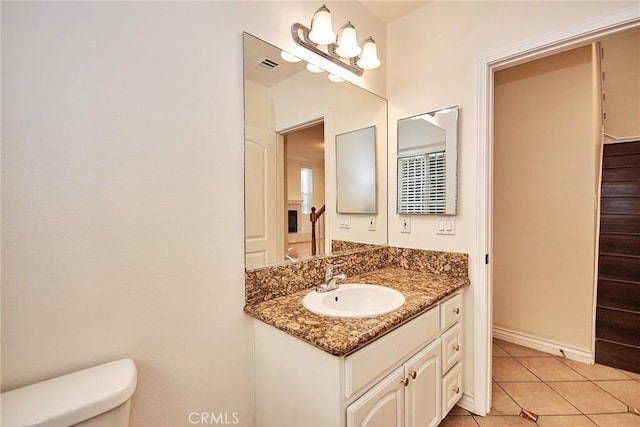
{"type": "Point", "coordinates": [267, 63]}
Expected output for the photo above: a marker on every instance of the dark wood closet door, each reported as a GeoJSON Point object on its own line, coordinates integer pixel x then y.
{"type": "Point", "coordinates": [618, 302]}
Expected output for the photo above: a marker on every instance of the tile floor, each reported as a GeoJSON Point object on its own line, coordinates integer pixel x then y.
{"type": "Point", "coordinates": [554, 391]}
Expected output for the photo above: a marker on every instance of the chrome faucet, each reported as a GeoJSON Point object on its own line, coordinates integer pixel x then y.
{"type": "Point", "coordinates": [330, 280]}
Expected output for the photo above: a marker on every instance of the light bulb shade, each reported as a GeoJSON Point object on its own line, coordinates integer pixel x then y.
{"type": "Point", "coordinates": [321, 31]}
{"type": "Point", "coordinates": [335, 78]}
{"type": "Point", "coordinates": [314, 68]}
{"type": "Point", "coordinates": [369, 59]}
{"type": "Point", "coordinates": [289, 57]}
{"type": "Point", "coordinates": [347, 42]}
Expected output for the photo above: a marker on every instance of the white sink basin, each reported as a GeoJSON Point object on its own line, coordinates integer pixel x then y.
{"type": "Point", "coordinates": [354, 300]}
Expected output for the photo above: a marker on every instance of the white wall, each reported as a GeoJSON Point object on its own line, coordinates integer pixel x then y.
{"type": "Point", "coordinates": [433, 58]}
{"type": "Point", "coordinates": [122, 181]}
{"type": "Point", "coordinates": [257, 105]}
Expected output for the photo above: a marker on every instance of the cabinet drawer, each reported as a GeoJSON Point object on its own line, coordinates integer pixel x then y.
{"type": "Point", "coordinates": [366, 364]}
{"type": "Point", "coordinates": [450, 311]}
{"type": "Point", "coordinates": [451, 347]}
{"type": "Point", "coordinates": [451, 388]}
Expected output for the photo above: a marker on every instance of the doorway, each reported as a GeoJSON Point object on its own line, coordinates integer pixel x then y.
{"type": "Point", "coordinates": [545, 175]}
{"type": "Point", "coordinates": [548, 137]}
{"type": "Point", "coordinates": [304, 191]}
{"type": "Point", "coordinates": [610, 24]}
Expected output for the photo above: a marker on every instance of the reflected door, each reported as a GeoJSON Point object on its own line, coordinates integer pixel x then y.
{"type": "Point", "coordinates": [261, 219]}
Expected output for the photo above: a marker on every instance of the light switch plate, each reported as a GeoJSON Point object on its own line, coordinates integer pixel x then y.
{"type": "Point", "coordinates": [446, 225]}
{"type": "Point", "coordinates": [345, 221]}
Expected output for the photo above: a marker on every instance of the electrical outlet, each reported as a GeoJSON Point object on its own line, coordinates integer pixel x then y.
{"type": "Point", "coordinates": [372, 223]}
{"type": "Point", "coordinates": [405, 224]}
{"type": "Point", "coordinates": [345, 221]}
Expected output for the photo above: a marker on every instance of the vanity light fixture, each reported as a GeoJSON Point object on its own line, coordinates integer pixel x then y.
{"type": "Point", "coordinates": [289, 57]}
{"type": "Point", "coordinates": [321, 29]}
{"type": "Point", "coordinates": [314, 68]}
{"type": "Point", "coordinates": [342, 48]}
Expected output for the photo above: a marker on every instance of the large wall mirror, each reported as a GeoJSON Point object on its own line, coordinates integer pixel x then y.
{"type": "Point", "coordinates": [427, 163]}
{"type": "Point", "coordinates": [292, 119]}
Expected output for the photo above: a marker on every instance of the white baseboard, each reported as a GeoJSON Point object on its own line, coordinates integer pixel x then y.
{"type": "Point", "coordinates": [467, 402]}
{"type": "Point", "coordinates": [544, 345]}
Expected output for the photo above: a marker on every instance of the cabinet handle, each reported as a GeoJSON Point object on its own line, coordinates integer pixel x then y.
{"type": "Point", "coordinates": [456, 347]}
{"type": "Point", "coordinates": [456, 310]}
{"type": "Point", "coordinates": [413, 374]}
{"type": "Point", "coordinates": [404, 381]}
{"type": "Point", "coordinates": [456, 390]}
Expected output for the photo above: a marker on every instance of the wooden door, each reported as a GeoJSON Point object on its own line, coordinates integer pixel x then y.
{"type": "Point", "coordinates": [618, 300]}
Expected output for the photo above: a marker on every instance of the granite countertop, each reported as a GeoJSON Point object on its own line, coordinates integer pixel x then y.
{"type": "Point", "coordinates": [342, 336]}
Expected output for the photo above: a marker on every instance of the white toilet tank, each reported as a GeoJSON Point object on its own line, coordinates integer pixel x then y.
{"type": "Point", "coordinates": [98, 396]}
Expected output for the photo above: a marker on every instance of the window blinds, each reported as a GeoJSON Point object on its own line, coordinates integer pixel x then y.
{"type": "Point", "coordinates": [421, 184]}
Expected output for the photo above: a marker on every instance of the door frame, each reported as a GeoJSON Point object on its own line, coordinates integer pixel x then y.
{"type": "Point", "coordinates": [547, 44]}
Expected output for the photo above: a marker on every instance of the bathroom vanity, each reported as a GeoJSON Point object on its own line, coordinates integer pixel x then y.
{"type": "Point", "coordinates": [400, 369]}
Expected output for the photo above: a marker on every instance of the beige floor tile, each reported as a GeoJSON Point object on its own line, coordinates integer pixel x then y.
{"type": "Point", "coordinates": [503, 421]}
{"type": "Point", "coordinates": [458, 421]}
{"type": "Point", "coordinates": [616, 420]}
{"type": "Point", "coordinates": [508, 369]}
{"type": "Point", "coordinates": [594, 372]}
{"type": "Point", "coordinates": [516, 350]}
{"type": "Point", "coordinates": [550, 369]}
{"type": "Point", "coordinates": [630, 374]}
{"type": "Point", "coordinates": [588, 398]}
{"type": "Point", "coordinates": [539, 398]}
{"type": "Point", "coordinates": [627, 391]}
{"type": "Point", "coordinates": [456, 410]}
{"type": "Point", "coordinates": [501, 403]}
{"type": "Point", "coordinates": [565, 421]}
{"type": "Point", "coordinates": [499, 352]}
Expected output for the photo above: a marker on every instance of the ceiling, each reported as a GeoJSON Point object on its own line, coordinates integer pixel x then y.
{"type": "Point", "coordinates": [256, 51]}
{"type": "Point", "coordinates": [391, 10]}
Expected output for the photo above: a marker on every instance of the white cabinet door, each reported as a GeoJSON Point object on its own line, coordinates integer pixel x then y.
{"type": "Point", "coordinates": [423, 392]}
{"type": "Point", "coordinates": [382, 406]}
